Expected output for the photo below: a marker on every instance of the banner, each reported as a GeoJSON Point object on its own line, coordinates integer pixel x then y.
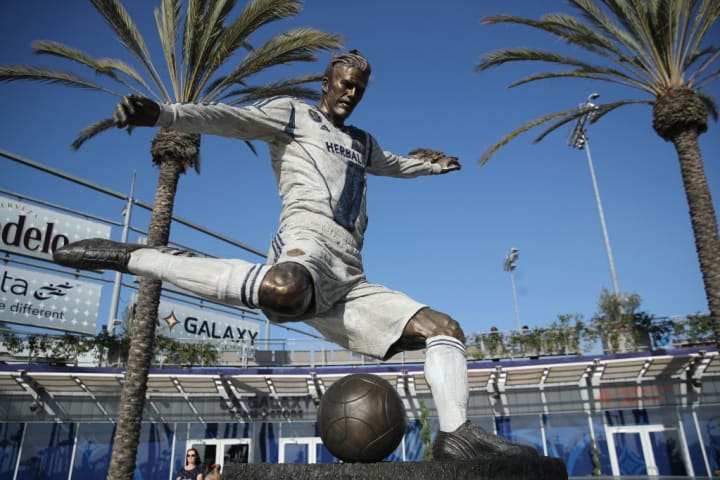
{"type": "Point", "coordinates": [185, 323]}
{"type": "Point", "coordinates": [36, 231]}
{"type": "Point", "coordinates": [42, 300]}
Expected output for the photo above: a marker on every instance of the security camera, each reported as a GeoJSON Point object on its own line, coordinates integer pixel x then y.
{"type": "Point", "coordinates": [593, 96]}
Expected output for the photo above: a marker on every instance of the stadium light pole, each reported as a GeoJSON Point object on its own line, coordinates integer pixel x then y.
{"type": "Point", "coordinates": [115, 300]}
{"type": "Point", "coordinates": [578, 139]}
{"type": "Point", "coordinates": [510, 266]}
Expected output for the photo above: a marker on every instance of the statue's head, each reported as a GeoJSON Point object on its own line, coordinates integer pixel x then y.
{"type": "Point", "coordinates": [353, 59]}
{"type": "Point", "coordinates": [343, 85]}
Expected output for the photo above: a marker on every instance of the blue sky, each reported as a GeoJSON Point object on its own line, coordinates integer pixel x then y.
{"type": "Point", "coordinates": [441, 239]}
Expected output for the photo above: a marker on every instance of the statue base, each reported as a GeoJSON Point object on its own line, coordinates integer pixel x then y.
{"type": "Point", "coordinates": [519, 468]}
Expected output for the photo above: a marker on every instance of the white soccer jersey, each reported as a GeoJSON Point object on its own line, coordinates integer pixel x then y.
{"type": "Point", "coordinates": [320, 169]}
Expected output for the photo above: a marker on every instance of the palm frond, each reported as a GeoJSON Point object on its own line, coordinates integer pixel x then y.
{"type": "Point", "coordinates": [255, 15]}
{"type": "Point", "coordinates": [119, 20]}
{"type": "Point", "coordinates": [11, 73]}
{"type": "Point", "coordinates": [101, 66]}
{"type": "Point", "coordinates": [598, 112]}
{"type": "Point", "coordinates": [696, 76]}
{"type": "Point", "coordinates": [561, 118]}
{"type": "Point", "coordinates": [564, 26]}
{"type": "Point", "coordinates": [707, 79]}
{"type": "Point", "coordinates": [697, 55]}
{"type": "Point", "coordinates": [90, 131]}
{"type": "Point", "coordinates": [292, 88]}
{"type": "Point", "coordinates": [499, 57]}
{"type": "Point", "coordinates": [584, 36]}
{"type": "Point", "coordinates": [167, 19]}
{"type": "Point", "coordinates": [297, 45]}
{"type": "Point", "coordinates": [655, 33]}
{"type": "Point", "coordinates": [600, 20]}
{"type": "Point", "coordinates": [211, 31]}
{"type": "Point", "coordinates": [579, 112]}
{"type": "Point", "coordinates": [522, 129]}
{"type": "Point", "coordinates": [705, 17]}
{"type": "Point", "coordinates": [596, 73]}
{"type": "Point", "coordinates": [710, 104]}
{"type": "Point", "coordinates": [635, 35]}
{"type": "Point", "coordinates": [192, 29]}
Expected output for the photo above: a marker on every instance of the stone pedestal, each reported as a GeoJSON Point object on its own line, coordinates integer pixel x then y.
{"type": "Point", "coordinates": [543, 468]}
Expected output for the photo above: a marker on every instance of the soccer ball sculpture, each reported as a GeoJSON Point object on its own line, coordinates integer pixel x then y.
{"type": "Point", "coordinates": [361, 418]}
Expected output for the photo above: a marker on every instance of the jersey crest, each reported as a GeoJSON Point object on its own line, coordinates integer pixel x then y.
{"type": "Point", "coordinates": [315, 116]}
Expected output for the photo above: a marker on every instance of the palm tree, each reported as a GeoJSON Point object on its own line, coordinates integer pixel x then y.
{"type": "Point", "coordinates": [195, 47]}
{"type": "Point", "coordinates": [656, 47]}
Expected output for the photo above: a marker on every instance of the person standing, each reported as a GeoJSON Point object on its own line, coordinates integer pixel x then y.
{"type": "Point", "coordinates": [193, 468]}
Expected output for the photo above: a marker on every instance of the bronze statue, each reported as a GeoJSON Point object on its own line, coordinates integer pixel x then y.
{"type": "Point", "coordinates": [314, 271]}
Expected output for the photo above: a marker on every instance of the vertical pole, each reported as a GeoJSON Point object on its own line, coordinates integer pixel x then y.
{"type": "Point", "coordinates": [683, 443]}
{"type": "Point", "coordinates": [515, 302]}
{"type": "Point", "coordinates": [701, 440]}
{"type": "Point", "coordinates": [543, 434]}
{"type": "Point", "coordinates": [115, 300]}
{"type": "Point", "coordinates": [267, 334]}
{"type": "Point", "coordinates": [509, 267]}
{"type": "Point", "coordinates": [20, 449]}
{"type": "Point", "coordinates": [606, 238]}
{"type": "Point", "coordinates": [74, 450]}
{"type": "Point", "coordinates": [172, 452]}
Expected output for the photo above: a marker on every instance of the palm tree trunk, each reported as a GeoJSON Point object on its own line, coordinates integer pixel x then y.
{"type": "Point", "coordinates": [702, 217]}
{"type": "Point", "coordinates": [132, 400]}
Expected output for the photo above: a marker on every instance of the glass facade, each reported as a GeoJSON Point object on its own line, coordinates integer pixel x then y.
{"type": "Point", "coordinates": [568, 437]}
{"type": "Point", "coordinates": [92, 454]}
{"type": "Point", "coordinates": [708, 426]}
{"type": "Point", "coordinates": [677, 441]}
{"type": "Point", "coordinates": [46, 452]}
{"type": "Point", "coordinates": [10, 440]}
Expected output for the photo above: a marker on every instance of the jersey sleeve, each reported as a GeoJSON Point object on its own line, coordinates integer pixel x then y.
{"type": "Point", "coordinates": [268, 120]}
{"type": "Point", "coordinates": [388, 164]}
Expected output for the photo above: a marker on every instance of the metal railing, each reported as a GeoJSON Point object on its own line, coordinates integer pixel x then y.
{"type": "Point", "coordinates": [663, 333]}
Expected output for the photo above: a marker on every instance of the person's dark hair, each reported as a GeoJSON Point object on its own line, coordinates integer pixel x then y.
{"type": "Point", "coordinates": [351, 59]}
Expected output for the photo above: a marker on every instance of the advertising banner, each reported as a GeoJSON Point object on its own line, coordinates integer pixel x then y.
{"type": "Point", "coordinates": [42, 300]}
{"type": "Point", "coordinates": [186, 323]}
{"type": "Point", "coordinates": [36, 231]}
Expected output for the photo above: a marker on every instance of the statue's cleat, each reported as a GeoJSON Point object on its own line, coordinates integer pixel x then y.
{"type": "Point", "coordinates": [470, 442]}
{"type": "Point", "coordinates": [102, 254]}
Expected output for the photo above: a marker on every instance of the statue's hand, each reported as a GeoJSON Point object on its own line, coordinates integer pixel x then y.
{"type": "Point", "coordinates": [447, 164]}
{"type": "Point", "coordinates": [136, 111]}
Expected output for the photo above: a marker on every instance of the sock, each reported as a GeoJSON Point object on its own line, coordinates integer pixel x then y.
{"type": "Point", "coordinates": [446, 374]}
{"type": "Point", "coordinates": [229, 281]}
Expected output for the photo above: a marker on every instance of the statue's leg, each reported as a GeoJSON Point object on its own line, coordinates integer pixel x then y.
{"type": "Point", "coordinates": [229, 281]}
{"type": "Point", "coordinates": [284, 288]}
{"type": "Point", "coordinates": [446, 374]}
{"type": "Point", "coordinates": [445, 363]}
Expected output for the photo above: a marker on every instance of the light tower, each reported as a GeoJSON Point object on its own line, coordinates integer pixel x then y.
{"type": "Point", "coordinates": [578, 139]}
{"type": "Point", "coordinates": [510, 266]}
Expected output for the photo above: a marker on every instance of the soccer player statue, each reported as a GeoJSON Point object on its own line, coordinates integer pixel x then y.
{"type": "Point", "coordinates": [314, 272]}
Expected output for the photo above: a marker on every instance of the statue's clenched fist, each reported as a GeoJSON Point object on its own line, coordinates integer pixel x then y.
{"type": "Point", "coordinates": [136, 111]}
